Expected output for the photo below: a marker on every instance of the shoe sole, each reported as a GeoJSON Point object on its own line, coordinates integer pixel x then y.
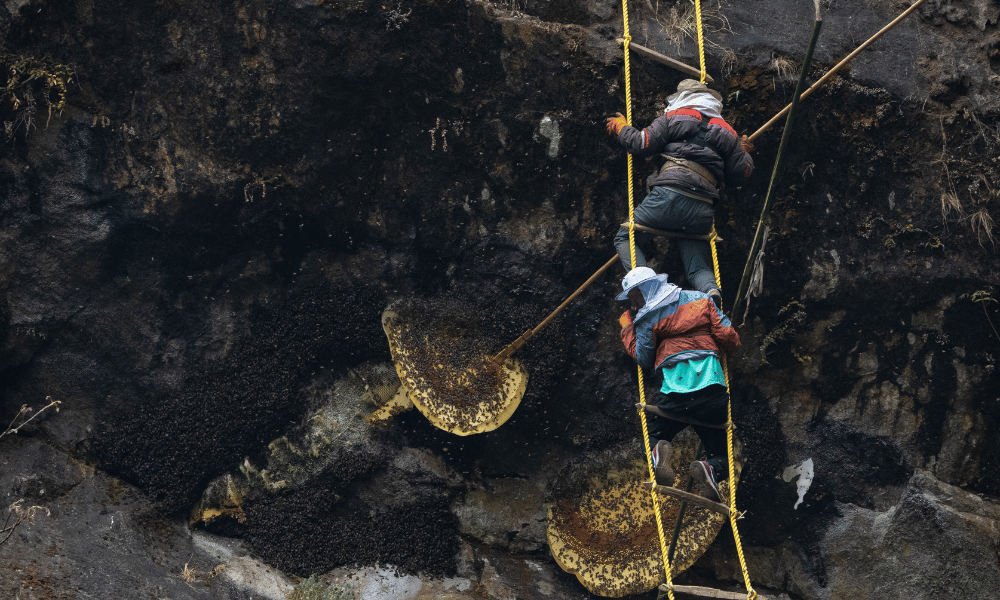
{"type": "Point", "coordinates": [664, 474]}
{"type": "Point", "coordinates": [700, 474]}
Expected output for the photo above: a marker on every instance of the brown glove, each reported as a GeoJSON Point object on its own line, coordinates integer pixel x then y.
{"type": "Point", "coordinates": [626, 319]}
{"type": "Point", "coordinates": [746, 144]}
{"type": "Point", "coordinates": [615, 124]}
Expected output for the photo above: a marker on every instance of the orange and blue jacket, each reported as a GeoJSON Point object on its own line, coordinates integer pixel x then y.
{"type": "Point", "coordinates": [685, 133]}
{"type": "Point", "coordinates": [690, 327]}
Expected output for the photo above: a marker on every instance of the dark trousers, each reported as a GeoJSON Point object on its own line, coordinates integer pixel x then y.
{"type": "Point", "coordinates": [708, 405]}
{"type": "Point", "coordinates": [665, 209]}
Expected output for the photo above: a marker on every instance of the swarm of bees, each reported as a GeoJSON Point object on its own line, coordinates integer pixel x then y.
{"type": "Point", "coordinates": [444, 364]}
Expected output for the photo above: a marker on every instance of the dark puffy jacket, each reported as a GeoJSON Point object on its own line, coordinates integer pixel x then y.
{"type": "Point", "coordinates": [672, 133]}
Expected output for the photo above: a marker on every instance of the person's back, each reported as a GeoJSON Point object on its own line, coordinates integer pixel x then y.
{"type": "Point", "coordinates": [692, 129]}
{"type": "Point", "coordinates": [699, 151]}
{"type": "Point", "coordinates": [680, 333]}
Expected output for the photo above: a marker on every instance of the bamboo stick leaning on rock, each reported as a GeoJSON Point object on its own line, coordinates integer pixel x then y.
{"type": "Point", "coordinates": [837, 67]}
{"type": "Point", "coordinates": [523, 339]}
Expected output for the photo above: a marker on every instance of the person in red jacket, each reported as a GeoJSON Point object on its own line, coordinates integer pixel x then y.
{"type": "Point", "coordinates": [681, 333]}
{"type": "Point", "coordinates": [699, 151]}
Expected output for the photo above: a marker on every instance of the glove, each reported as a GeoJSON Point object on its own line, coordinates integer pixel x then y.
{"type": "Point", "coordinates": [746, 144]}
{"type": "Point", "coordinates": [615, 124]}
{"type": "Point", "coordinates": [626, 319]}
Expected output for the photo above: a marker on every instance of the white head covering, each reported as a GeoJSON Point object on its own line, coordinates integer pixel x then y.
{"type": "Point", "coordinates": [657, 292]}
{"type": "Point", "coordinates": [691, 93]}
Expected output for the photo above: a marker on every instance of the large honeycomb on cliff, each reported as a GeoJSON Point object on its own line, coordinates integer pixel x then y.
{"type": "Point", "coordinates": [601, 525]}
{"type": "Point", "coordinates": [444, 359]}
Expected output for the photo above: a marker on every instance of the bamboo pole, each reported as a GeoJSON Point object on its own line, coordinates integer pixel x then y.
{"type": "Point", "coordinates": [785, 135]}
{"type": "Point", "coordinates": [666, 60]}
{"type": "Point", "coordinates": [523, 339]}
{"type": "Point", "coordinates": [836, 68]}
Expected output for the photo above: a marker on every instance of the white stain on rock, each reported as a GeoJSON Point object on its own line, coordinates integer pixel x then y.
{"type": "Point", "coordinates": [804, 471]}
{"type": "Point", "coordinates": [249, 576]}
{"type": "Point", "coordinates": [549, 128]}
{"type": "Point", "coordinates": [384, 584]}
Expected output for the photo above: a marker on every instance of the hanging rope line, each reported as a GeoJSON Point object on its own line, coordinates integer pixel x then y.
{"type": "Point", "coordinates": [701, 40]}
{"type": "Point", "coordinates": [631, 241]}
{"type": "Point", "coordinates": [733, 513]}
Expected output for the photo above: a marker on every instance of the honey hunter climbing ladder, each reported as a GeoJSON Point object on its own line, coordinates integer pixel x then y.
{"type": "Point", "coordinates": [668, 586]}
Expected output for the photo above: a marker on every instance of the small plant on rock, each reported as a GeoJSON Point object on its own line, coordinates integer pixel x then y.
{"type": "Point", "coordinates": [982, 225]}
{"type": "Point", "coordinates": [982, 298]}
{"type": "Point", "coordinates": [22, 418]}
{"type": "Point", "coordinates": [16, 513]}
{"type": "Point", "coordinates": [680, 21]}
{"type": "Point", "coordinates": [783, 67]}
{"type": "Point", "coordinates": [32, 82]}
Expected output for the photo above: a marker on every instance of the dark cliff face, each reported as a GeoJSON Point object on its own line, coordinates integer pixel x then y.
{"type": "Point", "coordinates": [233, 192]}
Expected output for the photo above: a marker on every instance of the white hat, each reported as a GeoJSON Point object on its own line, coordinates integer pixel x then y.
{"type": "Point", "coordinates": [633, 278]}
{"type": "Point", "coordinates": [693, 85]}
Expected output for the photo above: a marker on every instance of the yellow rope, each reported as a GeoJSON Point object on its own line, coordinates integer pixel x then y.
{"type": "Point", "coordinates": [733, 515]}
{"type": "Point", "coordinates": [701, 41]}
{"type": "Point", "coordinates": [631, 242]}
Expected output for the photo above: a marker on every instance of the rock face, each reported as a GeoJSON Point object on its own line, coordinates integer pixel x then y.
{"type": "Point", "coordinates": [205, 207]}
{"type": "Point", "coordinates": [937, 539]}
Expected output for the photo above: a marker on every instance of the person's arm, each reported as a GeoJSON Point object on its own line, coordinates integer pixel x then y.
{"type": "Point", "coordinates": [723, 331]}
{"type": "Point", "coordinates": [666, 128]}
{"type": "Point", "coordinates": [639, 343]}
{"type": "Point", "coordinates": [628, 332]}
{"type": "Point", "coordinates": [738, 162]}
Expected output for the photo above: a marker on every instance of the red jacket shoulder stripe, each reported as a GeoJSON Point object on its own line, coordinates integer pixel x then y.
{"type": "Point", "coordinates": [723, 125]}
{"type": "Point", "coordinates": [686, 112]}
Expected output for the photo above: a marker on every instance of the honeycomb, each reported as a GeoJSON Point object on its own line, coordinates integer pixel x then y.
{"type": "Point", "coordinates": [447, 368]}
{"type": "Point", "coordinates": [601, 525]}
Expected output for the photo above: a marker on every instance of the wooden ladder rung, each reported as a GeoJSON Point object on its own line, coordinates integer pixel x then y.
{"type": "Point", "coordinates": [705, 592]}
{"type": "Point", "coordinates": [674, 234]}
{"type": "Point", "coordinates": [722, 509]}
{"type": "Point", "coordinates": [666, 60]}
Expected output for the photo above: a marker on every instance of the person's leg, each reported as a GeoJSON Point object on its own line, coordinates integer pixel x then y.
{"type": "Point", "coordinates": [661, 431]}
{"type": "Point", "coordinates": [666, 209]}
{"type": "Point", "coordinates": [623, 248]}
{"type": "Point", "coordinates": [716, 450]}
{"type": "Point", "coordinates": [696, 256]}
{"type": "Point", "coordinates": [660, 428]}
{"type": "Point", "coordinates": [660, 209]}
{"type": "Point", "coordinates": [710, 406]}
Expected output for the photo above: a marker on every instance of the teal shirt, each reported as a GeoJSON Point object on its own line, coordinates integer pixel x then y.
{"type": "Point", "coordinates": [692, 375]}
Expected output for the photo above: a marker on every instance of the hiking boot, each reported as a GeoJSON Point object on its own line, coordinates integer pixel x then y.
{"type": "Point", "coordinates": [716, 297]}
{"type": "Point", "coordinates": [704, 474]}
{"type": "Point", "coordinates": [662, 472]}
